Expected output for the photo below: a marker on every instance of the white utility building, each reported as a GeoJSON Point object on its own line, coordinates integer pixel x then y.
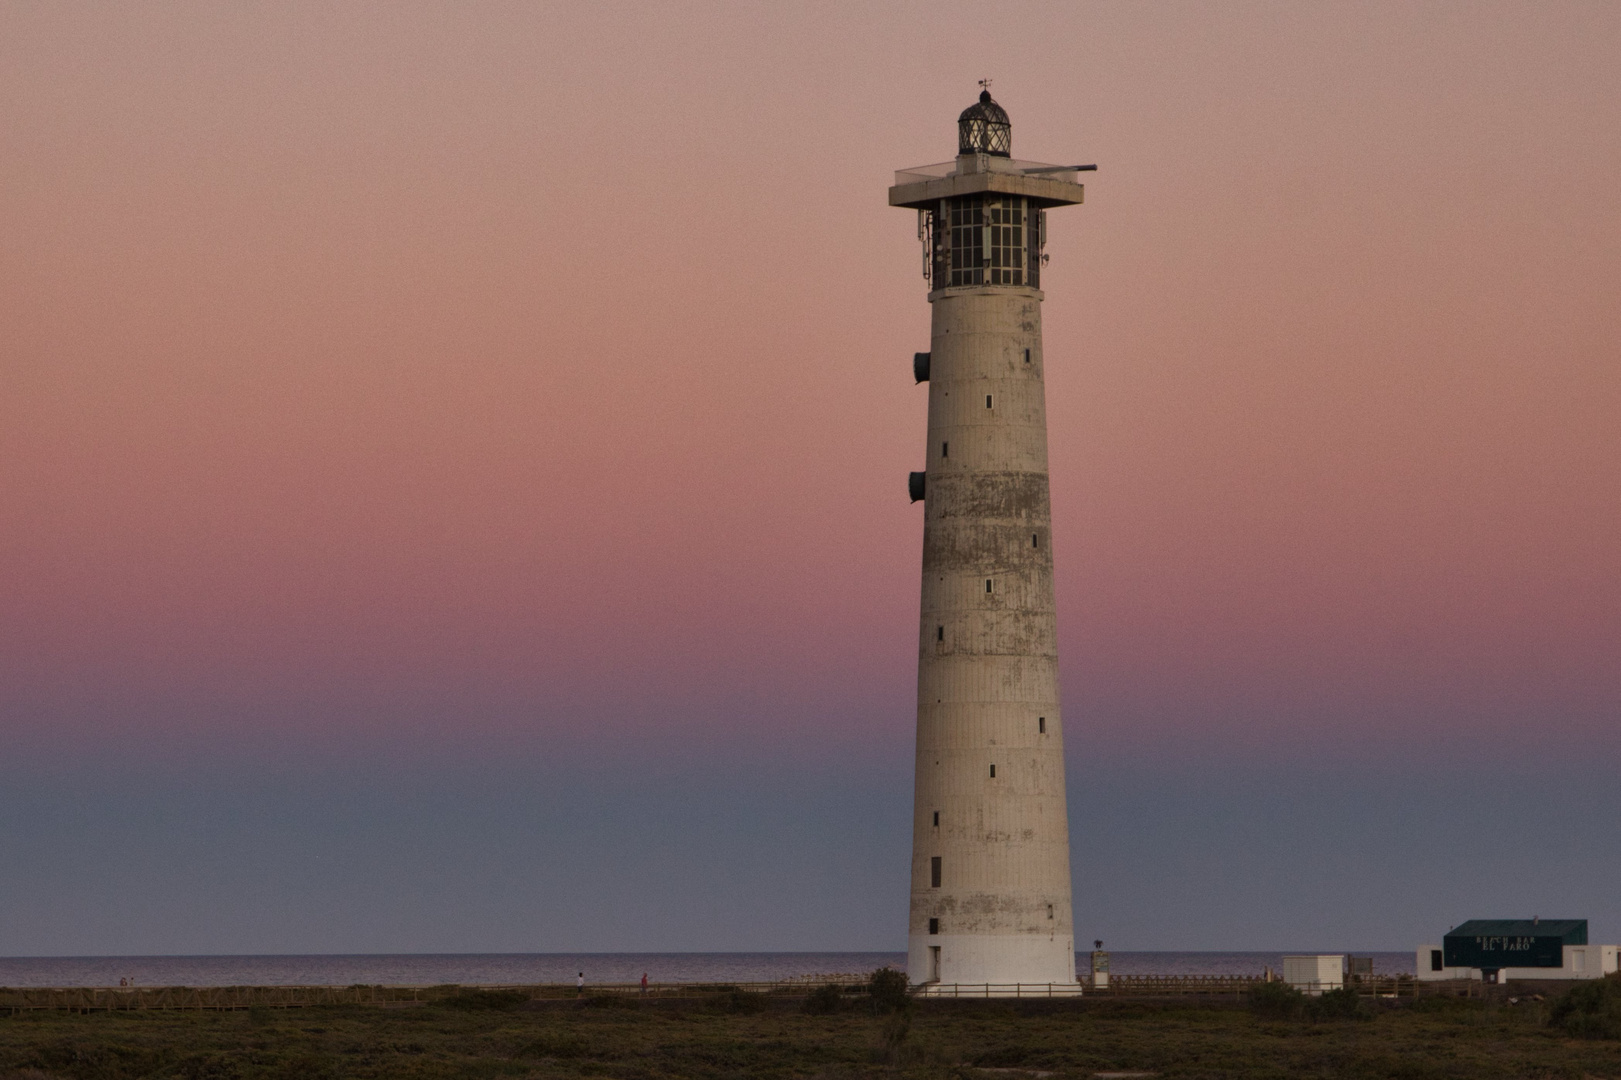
{"type": "Point", "coordinates": [990, 850]}
{"type": "Point", "coordinates": [1315, 973]}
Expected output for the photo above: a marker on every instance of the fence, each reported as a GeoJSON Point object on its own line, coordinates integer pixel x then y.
{"type": "Point", "coordinates": [1178, 985]}
{"type": "Point", "coordinates": [97, 999]}
{"type": "Point", "coordinates": [104, 999]}
{"type": "Point", "coordinates": [100, 999]}
{"type": "Point", "coordinates": [1378, 986]}
{"type": "Point", "coordinates": [999, 990]}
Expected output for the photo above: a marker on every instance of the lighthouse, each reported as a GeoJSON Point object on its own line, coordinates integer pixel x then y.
{"type": "Point", "coordinates": [990, 903]}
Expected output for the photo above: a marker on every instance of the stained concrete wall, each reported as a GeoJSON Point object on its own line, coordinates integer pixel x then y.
{"type": "Point", "coordinates": [988, 659]}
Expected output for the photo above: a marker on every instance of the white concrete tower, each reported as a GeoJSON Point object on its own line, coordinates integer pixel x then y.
{"type": "Point", "coordinates": [990, 838]}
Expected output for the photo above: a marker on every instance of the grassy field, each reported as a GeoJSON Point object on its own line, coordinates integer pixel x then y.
{"type": "Point", "coordinates": [490, 1035]}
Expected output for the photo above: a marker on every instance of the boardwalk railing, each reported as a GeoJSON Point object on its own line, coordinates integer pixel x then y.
{"type": "Point", "coordinates": [1179, 984]}
{"type": "Point", "coordinates": [999, 990]}
{"type": "Point", "coordinates": [101, 998]}
{"type": "Point", "coordinates": [119, 998]}
{"type": "Point", "coordinates": [1382, 986]}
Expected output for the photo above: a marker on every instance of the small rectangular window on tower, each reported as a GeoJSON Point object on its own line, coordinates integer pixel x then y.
{"type": "Point", "coordinates": [945, 449]}
{"type": "Point", "coordinates": [934, 872]}
{"type": "Point", "coordinates": [1027, 356]}
{"type": "Point", "coordinates": [1041, 725]}
{"type": "Point", "coordinates": [934, 926]}
{"type": "Point", "coordinates": [1049, 911]}
{"type": "Point", "coordinates": [988, 401]}
{"type": "Point", "coordinates": [993, 772]}
{"type": "Point", "coordinates": [1035, 540]}
{"type": "Point", "coordinates": [988, 585]}
{"type": "Point", "coordinates": [939, 633]}
{"type": "Point", "coordinates": [937, 819]}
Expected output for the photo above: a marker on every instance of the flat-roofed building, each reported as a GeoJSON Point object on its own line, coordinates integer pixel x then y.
{"type": "Point", "coordinates": [1496, 950]}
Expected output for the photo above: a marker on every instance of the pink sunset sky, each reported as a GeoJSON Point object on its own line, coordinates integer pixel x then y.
{"type": "Point", "coordinates": [508, 369]}
{"type": "Point", "coordinates": [462, 381]}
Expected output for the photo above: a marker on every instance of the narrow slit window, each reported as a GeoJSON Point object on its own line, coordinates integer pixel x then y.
{"type": "Point", "coordinates": [1027, 356]}
{"type": "Point", "coordinates": [934, 872]}
{"type": "Point", "coordinates": [1049, 911]}
{"type": "Point", "coordinates": [993, 772]}
{"type": "Point", "coordinates": [934, 926]}
{"type": "Point", "coordinates": [1035, 540]}
{"type": "Point", "coordinates": [988, 585]}
{"type": "Point", "coordinates": [945, 449]}
{"type": "Point", "coordinates": [937, 819]}
{"type": "Point", "coordinates": [988, 400]}
{"type": "Point", "coordinates": [1041, 725]}
{"type": "Point", "coordinates": [939, 633]}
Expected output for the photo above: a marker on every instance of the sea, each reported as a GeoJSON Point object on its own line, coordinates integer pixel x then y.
{"type": "Point", "coordinates": [524, 969]}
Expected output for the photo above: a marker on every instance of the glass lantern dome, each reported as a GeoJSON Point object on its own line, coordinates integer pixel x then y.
{"type": "Point", "coordinates": [983, 128]}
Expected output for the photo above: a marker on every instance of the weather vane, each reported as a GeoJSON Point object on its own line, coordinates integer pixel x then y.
{"type": "Point", "coordinates": [985, 85]}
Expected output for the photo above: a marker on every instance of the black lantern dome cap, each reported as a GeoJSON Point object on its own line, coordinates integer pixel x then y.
{"type": "Point", "coordinates": [983, 128]}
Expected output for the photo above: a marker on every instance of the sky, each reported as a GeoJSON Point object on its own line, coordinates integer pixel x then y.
{"type": "Point", "coordinates": [452, 468]}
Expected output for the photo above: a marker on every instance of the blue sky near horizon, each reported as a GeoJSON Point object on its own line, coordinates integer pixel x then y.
{"type": "Point", "coordinates": [515, 859]}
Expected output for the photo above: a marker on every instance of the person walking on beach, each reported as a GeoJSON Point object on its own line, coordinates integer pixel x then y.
{"type": "Point", "coordinates": [579, 985]}
{"type": "Point", "coordinates": [644, 982]}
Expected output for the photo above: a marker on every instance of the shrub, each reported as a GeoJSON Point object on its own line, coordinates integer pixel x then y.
{"type": "Point", "coordinates": [1591, 1010]}
{"type": "Point", "coordinates": [1341, 1004]}
{"type": "Point", "coordinates": [896, 1027]}
{"type": "Point", "coordinates": [207, 1067]}
{"type": "Point", "coordinates": [557, 1046]}
{"type": "Point", "coordinates": [485, 999]}
{"type": "Point", "coordinates": [824, 999]}
{"type": "Point", "coordinates": [887, 989]}
{"type": "Point", "coordinates": [1277, 1001]}
{"type": "Point", "coordinates": [610, 1001]}
{"type": "Point", "coordinates": [745, 1003]}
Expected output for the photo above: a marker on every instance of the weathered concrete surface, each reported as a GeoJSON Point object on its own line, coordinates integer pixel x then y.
{"type": "Point", "coordinates": [988, 660]}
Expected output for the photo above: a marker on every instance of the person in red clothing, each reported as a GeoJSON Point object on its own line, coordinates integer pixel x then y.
{"type": "Point", "coordinates": [644, 982]}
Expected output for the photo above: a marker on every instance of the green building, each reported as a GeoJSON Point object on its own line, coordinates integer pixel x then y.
{"type": "Point", "coordinates": [1495, 950]}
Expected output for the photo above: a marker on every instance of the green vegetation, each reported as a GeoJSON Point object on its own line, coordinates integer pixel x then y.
{"type": "Point", "coordinates": [734, 1033]}
{"type": "Point", "coordinates": [1280, 1001]}
{"type": "Point", "coordinates": [1592, 1010]}
{"type": "Point", "coordinates": [824, 1000]}
{"type": "Point", "coordinates": [886, 991]}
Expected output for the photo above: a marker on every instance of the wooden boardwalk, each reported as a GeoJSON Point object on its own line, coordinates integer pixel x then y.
{"type": "Point", "coordinates": [121, 998]}
{"type": "Point", "coordinates": [1382, 986]}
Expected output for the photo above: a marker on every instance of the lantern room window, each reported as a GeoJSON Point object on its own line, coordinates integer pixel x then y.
{"type": "Point", "coordinates": [984, 241]}
{"type": "Point", "coordinates": [964, 239]}
{"type": "Point", "coordinates": [1005, 239]}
